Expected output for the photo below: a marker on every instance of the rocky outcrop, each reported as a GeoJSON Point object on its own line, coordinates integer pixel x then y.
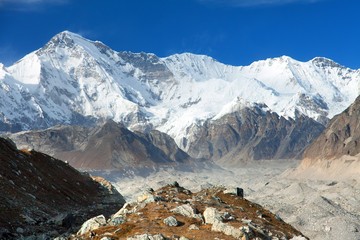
{"type": "Point", "coordinates": [43, 195]}
{"type": "Point", "coordinates": [177, 213]}
{"type": "Point", "coordinates": [106, 146]}
{"type": "Point", "coordinates": [92, 224]}
{"type": "Point", "coordinates": [341, 137]}
{"type": "Point", "coordinates": [252, 133]}
{"type": "Point", "coordinates": [335, 153]}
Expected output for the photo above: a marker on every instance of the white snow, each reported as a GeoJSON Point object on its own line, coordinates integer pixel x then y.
{"type": "Point", "coordinates": [27, 69]}
{"type": "Point", "coordinates": [73, 74]}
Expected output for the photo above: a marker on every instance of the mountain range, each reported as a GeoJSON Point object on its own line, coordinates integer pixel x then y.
{"type": "Point", "coordinates": [75, 81]}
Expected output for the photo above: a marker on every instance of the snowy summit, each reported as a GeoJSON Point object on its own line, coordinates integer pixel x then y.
{"type": "Point", "coordinates": [72, 80]}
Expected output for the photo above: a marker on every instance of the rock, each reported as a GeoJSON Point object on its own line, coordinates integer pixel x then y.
{"type": "Point", "coordinates": [227, 229]}
{"type": "Point", "coordinates": [20, 230]}
{"type": "Point", "coordinates": [187, 210]}
{"type": "Point", "coordinates": [144, 197]}
{"type": "Point", "coordinates": [117, 220]}
{"type": "Point", "coordinates": [193, 227]}
{"type": "Point", "coordinates": [68, 221]}
{"type": "Point", "coordinates": [227, 216]}
{"type": "Point", "coordinates": [106, 238]}
{"type": "Point", "coordinates": [60, 238]}
{"type": "Point", "coordinates": [122, 211]}
{"type": "Point", "coordinates": [171, 221]}
{"type": "Point", "coordinates": [175, 184]}
{"type": "Point", "coordinates": [92, 224]}
{"type": "Point", "coordinates": [327, 228]}
{"type": "Point", "coordinates": [235, 191]}
{"type": "Point", "coordinates": [148, 198]}
{"type": "Point", "coordinates": [147, 237]}
{"type": "Point", "coordinates": [211, 215]}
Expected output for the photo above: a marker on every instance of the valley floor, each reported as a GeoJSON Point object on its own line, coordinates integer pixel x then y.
{"type": "Point", "coordinates": [319, 209]}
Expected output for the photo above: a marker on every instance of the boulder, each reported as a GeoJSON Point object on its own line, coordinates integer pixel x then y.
{"type": "Point", "coordinates": [114, 221]}
{"type": "Point", "coordinates": [148, 198]}
{"type": "Point", "coordinates": [193, 227]}
{"type": "Point", "coordinates": [106, 238]}
{"type": "Point", "coordinates": [186, 210]}
{"type": "Point", "coordinates": [227, 229]}
{"type": "Point", "coordinates": [235, 191]}
{"type": "Point", "coordinates": [211, 215]}
{"type": "Point", "coordinates": [171, 221]}
{"type": "Point", "coordinates": [147, 237]}
{"type": "Point", "coordinates": [92, 224]}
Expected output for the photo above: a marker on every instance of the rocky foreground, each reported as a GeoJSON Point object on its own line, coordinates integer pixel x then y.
{"type": "Point", "coordinates": [173, 212]}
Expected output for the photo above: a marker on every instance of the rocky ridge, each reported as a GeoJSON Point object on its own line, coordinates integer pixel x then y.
{"type": "Point", "coordinates": [106, 146]}
{"type": "Point", "coordinates": [173, 212]}
{"type": "Point", "coordinates": [252, 133]}
{"type": "Point", "coordinates": [42, 196]}
{"type": "Point", "coordinates": [336, 152]}
{"type": "Point", "coordinates": [341, 137]}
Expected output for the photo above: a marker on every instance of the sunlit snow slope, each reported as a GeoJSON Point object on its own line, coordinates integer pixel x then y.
{"type": "Point", "coordinates": [72, 80]}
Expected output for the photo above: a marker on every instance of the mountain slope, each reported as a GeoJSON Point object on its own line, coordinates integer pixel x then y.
{"type": "Point", "coordinates": [39, 193]}
{"type": "Point", "coordinates": [72, 80]}
{"type": "Point", "coordinates": [105, 146]}
{"type": "Point", "coordinates": [336, 152]}
{"type": "Point", "coordinates": [251, 133]}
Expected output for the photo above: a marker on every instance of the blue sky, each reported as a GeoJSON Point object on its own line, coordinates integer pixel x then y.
{"type": "Point", "coordinates": [235, 32]}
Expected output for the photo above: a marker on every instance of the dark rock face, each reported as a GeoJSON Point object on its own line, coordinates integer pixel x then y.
{"type": "Point", "coordinates": [149, 64]}
{"type": "Point", "coordinates": [341, 137]}
{"type": "Point", "coordinates": [253, 134]}
{"type": "Point", "coordinates": [39, 193]}
{"type": "Point", "coordinates": [166, 144]}
{"type": "Point", "coordinates": [106, 146]}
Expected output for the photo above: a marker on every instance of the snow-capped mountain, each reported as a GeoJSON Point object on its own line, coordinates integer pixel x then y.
{"type": "Point", "coordinates": [72, 80]}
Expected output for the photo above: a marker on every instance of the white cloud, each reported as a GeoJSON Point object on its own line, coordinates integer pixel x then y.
{"type": "Point", "coordinates": [252, 3]}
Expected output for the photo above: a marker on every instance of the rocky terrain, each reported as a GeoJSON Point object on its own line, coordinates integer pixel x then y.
{"type": "Point", "coordinates": [106, 146]}
{"type": "Point", "coordinates": [336, 152]}
{"type": "Point", "coordinates": [46, 197]}
{"type": "Point", "coordinates": [173, 212]}
{"type": "Point", "coordinates": [320, 209]}
{"type": "Point", "coordinates": [252, 134]}
{"type": "Point", "coordinates": [247, 134]}
{"type": "Point", "coordinates": [341, 137]}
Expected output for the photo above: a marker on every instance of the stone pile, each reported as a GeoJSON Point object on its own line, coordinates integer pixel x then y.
{"type": "Point", "coordinates": [173, 212]}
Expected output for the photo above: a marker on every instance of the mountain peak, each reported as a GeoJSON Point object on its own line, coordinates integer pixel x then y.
{"type": "Point", "coordinates": [65, 38]}
{"type": "Point", "coordinates": [325, 62]}
{"type": "Point", "coordinates": [69, 34]}
{"type": "Point", "coordinates": [187, 56]}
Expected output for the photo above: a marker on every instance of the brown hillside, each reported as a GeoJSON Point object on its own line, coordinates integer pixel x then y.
{"type": "Point", "coordinates": [41, 194]}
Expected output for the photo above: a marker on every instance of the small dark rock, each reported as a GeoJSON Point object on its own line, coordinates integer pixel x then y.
{"type": "Point", "coordinates": [68, 221]}
{"type": "Point", "coordinates": [175, 184]}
